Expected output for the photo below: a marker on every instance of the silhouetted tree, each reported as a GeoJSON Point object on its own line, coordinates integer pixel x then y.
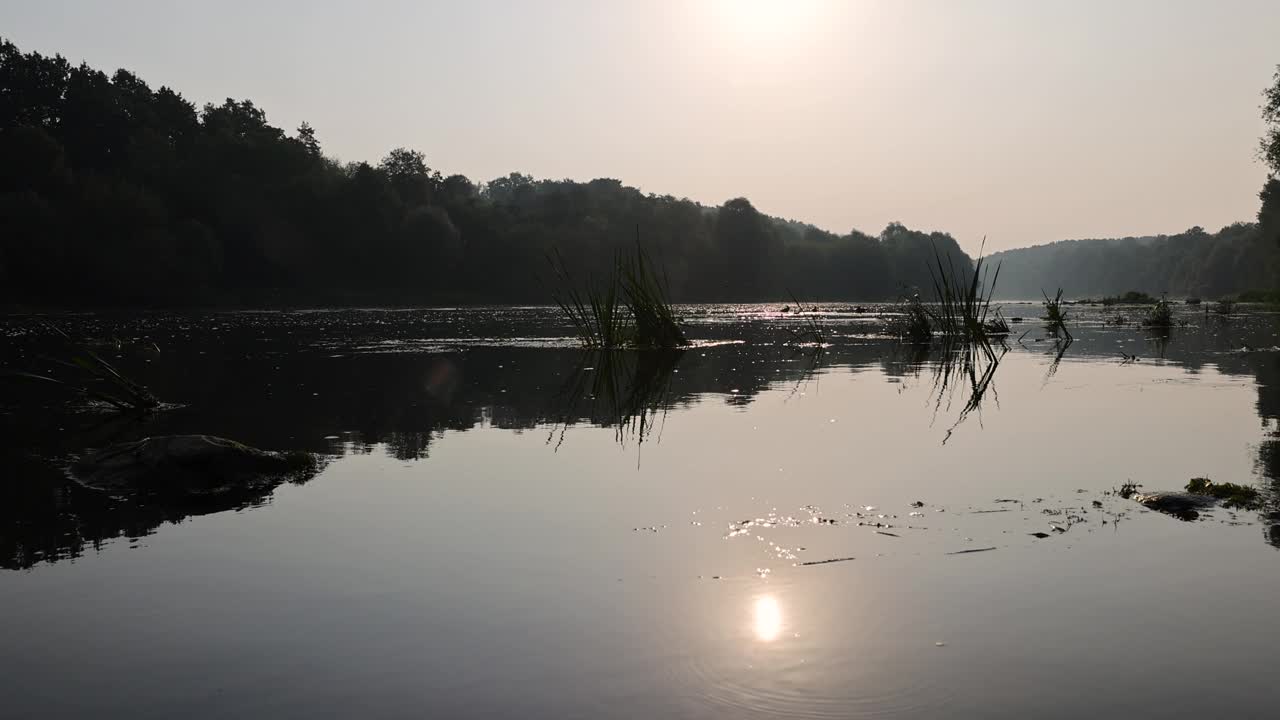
{"type": "Point", "coordinates": [307, 136]}
{"type": "Point", "coordinates": [1269, 214]}
{"type": "Point", "coordinates": [116, 193]}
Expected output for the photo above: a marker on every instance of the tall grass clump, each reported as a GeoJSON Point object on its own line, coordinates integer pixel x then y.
{"type": "Point", "coordinates": [630, 309]}
{"type": "Point", "coordinates": [1055, 314]}
{"type": "Point", "coordinates": [913, 324]}
{"type": "Point", "coordinates": [94, 378]}
{"type": "Point", "coordinates": [963, 310]}
{"type": "Point", "coordinates": [1160, 315]}
{"type": "Point", "coordinates": [996, 326]}
{"type": "Point", "coordinates": [812, 333]}
{"type": "Point", "coordinates": [646, 296]}
{"type": "Point", "coordinates": [596, 311]}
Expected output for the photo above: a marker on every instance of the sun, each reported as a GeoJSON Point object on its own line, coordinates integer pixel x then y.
{"type": "Point", "coordinates": [764, 18]}
{"type": "Point", "coordinates": [749, 34]}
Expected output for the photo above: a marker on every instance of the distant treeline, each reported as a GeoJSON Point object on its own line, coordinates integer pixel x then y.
{"type": "Point", "coordinates": [1194, 264]}
{"type": "Point", "coordinates": [112, 193]}
{"type": "Point", "coordinates": [1237, 258]}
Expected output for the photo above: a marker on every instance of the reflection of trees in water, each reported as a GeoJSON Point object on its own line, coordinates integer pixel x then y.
{"type": "Point", "coordinates": [1268, 466]}
{"type": "Point", "coordinates": [1265, 368]}
{"type": "Point", "coordinates": [294, 398]}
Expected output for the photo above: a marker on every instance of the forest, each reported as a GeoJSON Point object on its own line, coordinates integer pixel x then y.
{"type": "Point", "coordinates": [115, 194]}
{"type": "Point", "coordinates": [1239, 259]}
{"type": "Point", "coordinates": [1194, 263]}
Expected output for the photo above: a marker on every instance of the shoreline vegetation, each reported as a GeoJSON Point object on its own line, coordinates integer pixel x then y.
{"type": "Point", "coordinates": [124, 196]}
{"type": "Point", "coordinates": [121, 195]}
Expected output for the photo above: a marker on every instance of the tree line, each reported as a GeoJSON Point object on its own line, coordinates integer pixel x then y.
{"type": "Point", "coordinates": [1194, 263]}
{"type": "Point", "coordinates": [1239, 257]}
{"type": "Point", "coordinates": [113, 193]}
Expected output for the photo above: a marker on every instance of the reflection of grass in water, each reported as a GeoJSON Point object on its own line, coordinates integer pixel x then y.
{"type": "Point", "coordinates": [1160, 335]}
{"type": "Point", "coordinates": [1057, 358]}
{"type": "Point", "coordinates": [623, 390]}
{"type": "Point", "coordinates": [809, 372]}
{"type": "Point", "coordinates": [970, 368]}
{"type": "Point", "coordinates": [964, 368]}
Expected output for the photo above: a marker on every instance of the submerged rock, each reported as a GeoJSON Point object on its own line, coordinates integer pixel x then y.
{"type": "Point", "coordinates": [1184, 506]}
{"type": "Point", "coordinates": [189, 464]}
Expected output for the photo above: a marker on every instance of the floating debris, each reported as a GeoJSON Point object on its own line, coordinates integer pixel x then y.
{"type": "Point", "coordinates": [881, 532]}
{"type": "Point", "coordinates": [826, 562]}
{"type": "Point", "coordinates": [975, 550]}
{"type": "Point", "coordinates": [1040, 535]}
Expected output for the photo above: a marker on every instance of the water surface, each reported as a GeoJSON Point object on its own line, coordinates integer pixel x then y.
{"type": "Point", "coordinates": [510, 527]}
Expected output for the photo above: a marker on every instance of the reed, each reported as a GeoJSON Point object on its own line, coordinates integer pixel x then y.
{"type": "Point", "coordinates": [595, 311]}
{"type": "Point", "coordinates": [629, 309]}
{"type": "Point", "coordinates": [913, 324]}
{"type": "Point", "coordinates": [811, 334]}
{"type": "Point", "coordinates": [1055, 314]}
{"type": "Point", "coordinates": [1160, 315]}
{"type": "Point", "coordinates": [93, 377]}
{"type": "Point", "coordinates": [962, 310]}
{"type": "Point", "coordinates": [646, 295]}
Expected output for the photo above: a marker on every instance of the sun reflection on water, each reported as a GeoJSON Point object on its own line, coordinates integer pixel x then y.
{"type": "Point", "coordinates": [767, 619]}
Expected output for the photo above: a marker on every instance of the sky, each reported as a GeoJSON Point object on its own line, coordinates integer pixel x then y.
{"type": "Point", "coordinates": [1021, 122]}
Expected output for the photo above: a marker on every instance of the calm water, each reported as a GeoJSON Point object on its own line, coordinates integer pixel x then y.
{"type": "Point", "coordinates": [510, 528]}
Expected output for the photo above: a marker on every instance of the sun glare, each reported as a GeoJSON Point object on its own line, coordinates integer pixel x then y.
{"type": "Point", "coordinates": [767, 619]}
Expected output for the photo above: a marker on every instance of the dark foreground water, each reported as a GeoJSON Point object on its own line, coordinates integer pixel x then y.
{"type": "Point", "coordinates": [511, 528]}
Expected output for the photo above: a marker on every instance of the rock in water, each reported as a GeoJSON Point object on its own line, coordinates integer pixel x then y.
{"type": "Point", "coordinates": [1184, 506]}
{"type": "Point", "coordinates": [192, 464]}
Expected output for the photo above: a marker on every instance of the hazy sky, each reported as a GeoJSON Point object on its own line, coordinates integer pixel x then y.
{"type": "Point", "coordinates": [1025, 121]}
